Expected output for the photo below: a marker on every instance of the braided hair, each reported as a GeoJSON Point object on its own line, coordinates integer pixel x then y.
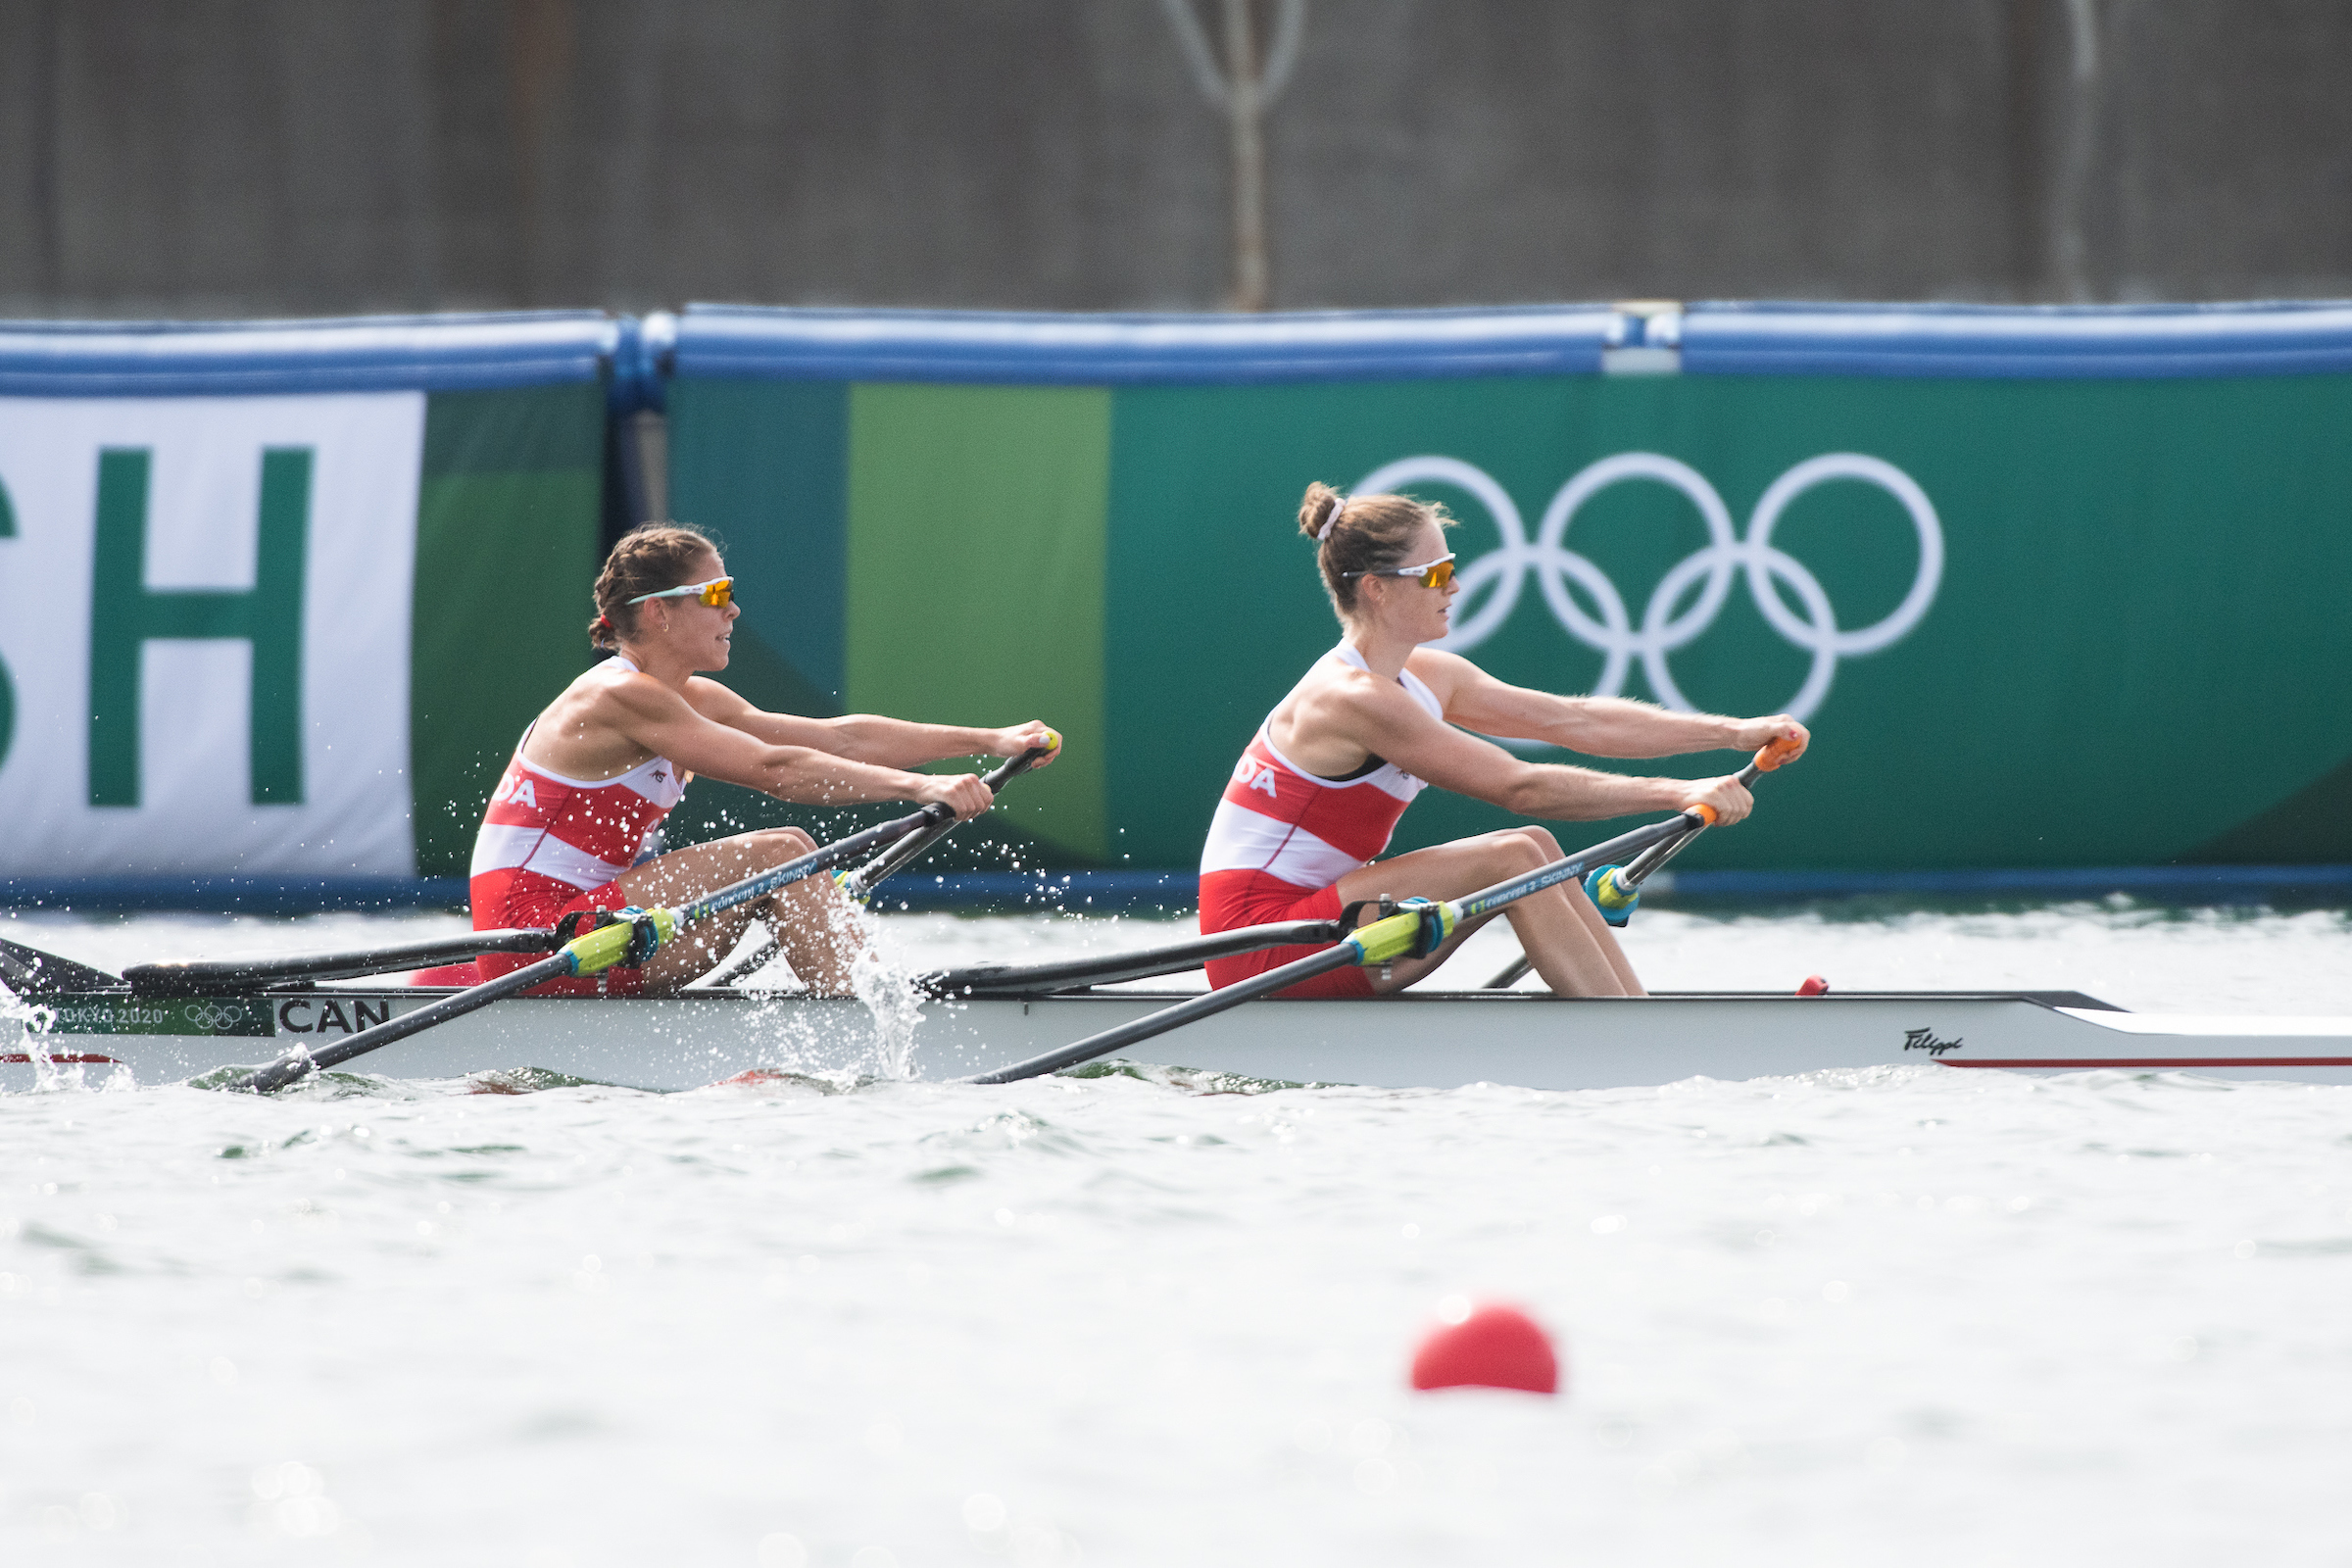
{"type": "Point", "coordinates": [648, 558]}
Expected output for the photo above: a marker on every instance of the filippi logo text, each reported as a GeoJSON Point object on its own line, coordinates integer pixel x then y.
{"type": "Point", "coordinates": [1925, 1039]}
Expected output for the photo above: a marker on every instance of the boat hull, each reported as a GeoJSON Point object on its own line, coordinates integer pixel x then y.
{"type": "Point", "coordinates": [1417, 1040]}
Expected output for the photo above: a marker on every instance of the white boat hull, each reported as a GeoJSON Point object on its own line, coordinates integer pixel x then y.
{"type": "Point", "coordinates": [1417, 1040]}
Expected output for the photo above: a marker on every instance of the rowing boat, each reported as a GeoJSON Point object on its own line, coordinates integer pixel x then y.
{"type": "Point", "coordinates": [1420, 1039]}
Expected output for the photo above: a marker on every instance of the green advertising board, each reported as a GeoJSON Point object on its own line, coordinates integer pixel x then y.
{"type": "Point", "coordinates": [284, 598]}
{"type": "Point", "coordinates": [2033, 620]}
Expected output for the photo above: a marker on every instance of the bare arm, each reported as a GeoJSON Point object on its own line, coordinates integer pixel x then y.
{"type": "Point", "coordinates": [1597, 726]}
{"type": "Point", "coordinates": [659, 719]}
{"type": "Point", "coordinates": [867, 737]}
{"type": "Point", "coordinates": [1387, 722]}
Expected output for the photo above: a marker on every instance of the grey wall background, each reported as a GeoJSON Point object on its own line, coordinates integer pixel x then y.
{"type": "Point", "coordinates": [241, 156]}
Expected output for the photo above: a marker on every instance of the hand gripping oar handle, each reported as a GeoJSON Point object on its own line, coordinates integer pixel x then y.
{"type": "Point", "coordinates": [633, 939]}
{"type": "Point", "coordinates": [862, 882]}
{"type": "Point", "coordinates": [1620, 887]}
{"type": "Point", "coordinates": [1414, 931]}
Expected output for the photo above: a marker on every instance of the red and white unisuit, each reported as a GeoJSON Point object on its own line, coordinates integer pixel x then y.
{"type": "Point", "coordinates": [1283, 838]}
{"type": "Point", "coordinates": [550, 844]}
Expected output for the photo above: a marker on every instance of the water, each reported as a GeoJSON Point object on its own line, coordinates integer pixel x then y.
{"type": "Point", "coordinates": [1950, 1318]}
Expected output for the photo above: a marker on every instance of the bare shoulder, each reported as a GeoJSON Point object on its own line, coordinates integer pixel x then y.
{"type": "Point", "coordinates": [1441, 673]}
{"type": "Point", "coordinates": [631, 693]}
{"type": "Point", "coordinates": [716, 702]}
{"type": "Point", "coordinates": [1350, 699]}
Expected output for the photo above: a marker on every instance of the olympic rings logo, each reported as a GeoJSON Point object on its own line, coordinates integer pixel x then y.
{"type": "Point", "coordinates": [212, 1015]}
{"type": "Point", "coordinates": [1503, 573]}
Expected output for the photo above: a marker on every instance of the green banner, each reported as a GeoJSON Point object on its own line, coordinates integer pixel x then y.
{"type": "Point", "coordinates": [2031, 622]}
{"type": "Point", "coordinates": [285, 635]}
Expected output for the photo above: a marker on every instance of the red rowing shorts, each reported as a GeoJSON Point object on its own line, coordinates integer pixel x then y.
{"type": "Point", "coordinates": [531, 900]}
{"type": "Point", "coordinates": [1230, 899]}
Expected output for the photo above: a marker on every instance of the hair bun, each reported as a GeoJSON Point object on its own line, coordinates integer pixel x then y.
{"type": "Point", "coordinates": [1319, 510]}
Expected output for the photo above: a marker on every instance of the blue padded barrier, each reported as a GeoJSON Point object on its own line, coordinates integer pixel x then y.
{"type": "Point", "coordinates": [1998, 341]}
{"type": "Point", "coordinates": [1011, 349]}
{"type": "Point", "coordinates": [357, 354]}
{"type": "Point", "coordinates": [641, 362]}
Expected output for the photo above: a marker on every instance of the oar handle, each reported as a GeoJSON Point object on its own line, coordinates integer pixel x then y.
{"type": "Point", "coordinates": [1775, 752]}
{"type": "Point", "coordinates": [862, 881]}
{"type": "Point", "coordinates": [1779, 748]}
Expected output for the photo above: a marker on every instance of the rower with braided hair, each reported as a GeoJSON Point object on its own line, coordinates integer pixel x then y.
{"type": "Point", "coordinates": [595, 774]}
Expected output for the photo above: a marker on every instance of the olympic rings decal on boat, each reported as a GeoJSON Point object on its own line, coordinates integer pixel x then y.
{"type": "Point", "coordinates": [212, 1015]}
{"type": "Point", "coordinates": [1503, 573]}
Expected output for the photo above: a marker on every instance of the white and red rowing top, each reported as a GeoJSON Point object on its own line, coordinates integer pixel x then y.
{"type": "Point", "coordinates": [1279, 824]}
{"type": "Point", "coordinates": [545, 838]}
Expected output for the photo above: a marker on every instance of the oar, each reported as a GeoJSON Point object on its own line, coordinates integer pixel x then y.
{"type": "Point", "coordinates": [213, 977]}
{"type": "Point", "coordinates": [860, 883]}
{"type": "Point", "coordinates": [630, 940]}
{"type": "Point", "coordinates": [207, 977]}
{"type": "Point", "coordinates": [1041, 979]}
{"type": "Point", "coordinates": [1415, 932]}
{"type": "Point", "coordinates": [1616, 891]}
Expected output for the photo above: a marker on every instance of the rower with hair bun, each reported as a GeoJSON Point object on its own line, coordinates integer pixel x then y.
{"type": "Point", "coordinates": [595, 774]}
{"type": "Point", "coordinates": [1318, 791]}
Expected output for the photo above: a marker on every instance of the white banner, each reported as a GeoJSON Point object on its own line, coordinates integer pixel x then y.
{"type": "Point", "coordinates": [204, 618]}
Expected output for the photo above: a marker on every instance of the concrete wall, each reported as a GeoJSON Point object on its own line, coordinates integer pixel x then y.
{"type": "Point", "coordinates": [313, 155]}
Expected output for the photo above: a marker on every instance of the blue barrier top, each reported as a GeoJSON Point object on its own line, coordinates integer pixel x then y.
{"type": "Point", "coordinates": [1014, 349]}
{"type": "Point", "coordinates": [356, 354]}
{"type": "Point", "coordinates": [2039, 342]}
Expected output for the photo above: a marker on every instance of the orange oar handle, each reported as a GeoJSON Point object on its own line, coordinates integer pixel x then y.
{"type": "Point", "coordinates": [1773, 754]}
{"type": "Point", "coordinates": [1776, 752]}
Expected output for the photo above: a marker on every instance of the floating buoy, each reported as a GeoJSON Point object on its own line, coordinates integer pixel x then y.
{"type": "Point", "coordinates": [1814, 986]}
{"type": "Point", "coordinates": [1485, 1346]}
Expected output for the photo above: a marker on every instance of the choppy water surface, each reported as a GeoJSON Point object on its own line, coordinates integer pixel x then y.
{"type": "Point", "coordinates": [1908, 1314]}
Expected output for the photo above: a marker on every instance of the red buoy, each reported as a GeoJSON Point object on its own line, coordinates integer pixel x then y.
{"type": "Point", "coordinates": [1814, 986]}
{"type": "Point", "coordinates": [1485, 1346]}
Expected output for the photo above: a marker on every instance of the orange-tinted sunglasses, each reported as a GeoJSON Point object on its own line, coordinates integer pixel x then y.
{"type": "Point", "coordinates": [1433, 573]}
{"type": "Point", "coordinates": [717, 593]}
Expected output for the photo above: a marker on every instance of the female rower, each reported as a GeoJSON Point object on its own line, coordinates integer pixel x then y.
{"type": "Point", "coordinates": [1319, 790]}
{"type": "Point", "coordinates": [601, 765]}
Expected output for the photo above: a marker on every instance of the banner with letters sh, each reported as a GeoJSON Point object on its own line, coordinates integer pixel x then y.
{"type": "Point", "coordinates": [205, 654]}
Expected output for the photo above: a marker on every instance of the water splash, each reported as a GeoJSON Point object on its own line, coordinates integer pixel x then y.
{"type": "Point", "coordinates": [25, 1037]}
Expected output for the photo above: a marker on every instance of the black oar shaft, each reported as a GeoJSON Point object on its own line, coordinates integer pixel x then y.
{"type": "Point", "coordinates": [1037, 979]}
{"type": "Point", "coordinates": [205, 977]}
{"type": "Point", "coordinates": [914, 846]}
{"type": "Point", "coordinates": [1211, 1003]}
{"type": "Point", "coordinates": [1488, 899]}
{"type": "Point", "coordinates": [1168, 1018]}
{"type": "Point", "coordinates": [295, 1064]}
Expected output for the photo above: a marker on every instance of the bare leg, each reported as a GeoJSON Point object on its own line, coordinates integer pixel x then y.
{"type": "Point", "coordinates": [812, 920]}
{"type": "Point", "coordinates": [1571, 946]}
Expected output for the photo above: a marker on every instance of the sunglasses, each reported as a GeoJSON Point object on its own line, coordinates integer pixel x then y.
{"type": "Point", "coordinates": [717, 593]}
{"type": "Point", "coordinates": [1433, 573]}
